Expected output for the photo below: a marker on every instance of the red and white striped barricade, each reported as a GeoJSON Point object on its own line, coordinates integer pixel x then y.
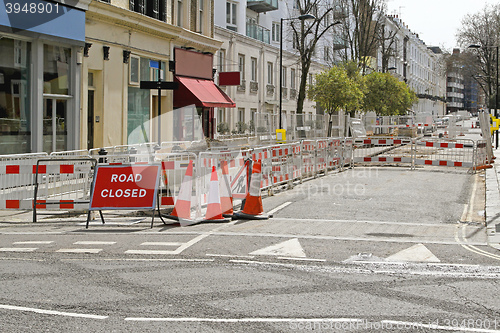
{"type": "Point", "coordinates": [481, 160]}
{"type": "Point", "coordinates": [334, 153]}
{"type": "Point", "coordinates": [443, 152]}
{"type": "Point", "coordinates": [17, 181]}
{"type": "Point", "coordinates": [172, 172]}
{"type": "Point", "coordinates": [322, 156]}
{"type": "Point", "coordinates": [388, 150]}
{"type": "Point", "coordinates": [265, 156]}
{"type": "Point", "coordinates": [62, 184]}
{"type": "Point", "coordinates": [308, 152]}
{"type": "Point", "coordinates": [236, 168]}
{"type": "Point", "coordinates": [282, 164]}
{"type": "Point", "coordinates": [347, 152]}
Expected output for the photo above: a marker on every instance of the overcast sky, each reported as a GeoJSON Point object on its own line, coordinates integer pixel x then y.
{"type": "Point", "coordinates": [436, 21]}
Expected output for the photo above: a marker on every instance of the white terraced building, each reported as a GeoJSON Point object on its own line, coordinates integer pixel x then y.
{"type": "Point", "coordinates": [250, 32]}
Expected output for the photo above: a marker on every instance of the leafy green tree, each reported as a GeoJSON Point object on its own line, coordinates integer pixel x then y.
{"type": "Point", "coordinates": [386, 95]}
{"type": "Point", "coordinates": [334, 90]}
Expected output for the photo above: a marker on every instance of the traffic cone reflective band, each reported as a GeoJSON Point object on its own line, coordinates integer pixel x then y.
{"type": "Point", "coordinates": [214, 209]}
{"type": "Point", "coordinates": [182, 208]}
{"type": "Point", "coordinates": [253, 210]}
{"type": "Point", "coordinates": [226, 198]}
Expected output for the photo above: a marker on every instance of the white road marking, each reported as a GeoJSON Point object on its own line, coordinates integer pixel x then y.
{"type": "Point", "coordinates": [289, 248]}
{"type": "Point", "coordinates": [94, 251]}
{"type": "Point", "coordinates": [93, 243]}
{"type": "Point", "coordinates": [161, 243]}
{"type": "Point", "coordinates": [280, 207]}
{"type": "Point", "coordinates": [158, 252]}
{"type": "Point", "coordinates": [346, 238]}
{"type": "Point", "coordinates": [303, 259]}
{"type": "Point", "coordinates": [228, 256]}
{"type": "Point", "coordinates": [51, 312]}
{"type": "Point", "coordinates": [33, 242]}
{"type": "Point", "coordinates": [18, 249]}
{"type": "Point", "coordinates": [357, 221]}
{"type": "Point", "coordinates": [420, 326]}
{"type": "Point", "coordinates": [469, 246]}
{"type": "Point", "coordinates": [417, 252]}
{"type": "Point", "coordinates": [244, 320]}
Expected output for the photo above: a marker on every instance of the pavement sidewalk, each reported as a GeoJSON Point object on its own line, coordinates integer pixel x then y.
{"type": "Point", "coordinates": [493, 204]}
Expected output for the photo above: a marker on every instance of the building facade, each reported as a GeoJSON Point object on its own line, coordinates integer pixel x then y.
{"type": "Point", "coordinates": [455, 84]}
{"type": "Point", "coordinates": [250, 32]}
{"type": "Point", "coordinates": [132, 41]}
{"type": "Point", "coordinates": [421, 67]}
{"type": "Point", "coordinates": [40, 76]}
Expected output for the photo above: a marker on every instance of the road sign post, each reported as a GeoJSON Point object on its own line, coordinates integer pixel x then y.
{"type": "Point", "coordinates": [160, 85]}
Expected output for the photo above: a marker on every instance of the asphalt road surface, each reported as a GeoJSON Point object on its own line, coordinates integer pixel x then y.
{"type": "Point", "coordinates": [365, 250]}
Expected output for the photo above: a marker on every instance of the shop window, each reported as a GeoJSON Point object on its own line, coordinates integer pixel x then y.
{"type": "Point", "coordinates": [15, 129]}
{"type": "Point", "coordinates": [138, 114]}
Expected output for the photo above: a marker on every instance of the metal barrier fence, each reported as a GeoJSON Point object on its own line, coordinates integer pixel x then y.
{"type": "Point", "coordinates": [62, 184]}
{"type": "Point", "coordinates": [442, 152]}
{"type": "Point", "coordinates": [383, 150]}
{"type": "Point", "coordinates": [17, 180]}
{"type": "Point", "coordinates": [63, 180]}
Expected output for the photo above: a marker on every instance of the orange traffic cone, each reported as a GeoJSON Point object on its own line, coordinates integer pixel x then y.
{"type": "Point", "coordinates": [253, 210]}
{"type": "Point", "coordinates": [226, 198]}
{"type": "Point", "coordinates": [182, 208]}
{"type": "Point", "coordinates": [214, 209]}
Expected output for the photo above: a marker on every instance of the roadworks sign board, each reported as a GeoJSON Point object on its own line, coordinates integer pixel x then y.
{"type": "Point", "coordinates": [125, 187]}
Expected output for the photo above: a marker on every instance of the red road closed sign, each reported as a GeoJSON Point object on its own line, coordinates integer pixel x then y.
{"type": "Point", "coordinates": [125, 187]}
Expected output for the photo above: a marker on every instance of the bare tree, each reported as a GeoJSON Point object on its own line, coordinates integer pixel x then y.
{"type": "Point", "coordinates": [306, 36]}
{"type": "Point", "coordinates": [482, 29]}
{"type": "Point", "coordinates": [364, 30]}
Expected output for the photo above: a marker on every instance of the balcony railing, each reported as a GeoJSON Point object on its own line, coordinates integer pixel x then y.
{"type": "Point", "coordinates": [270, 89]}
{"type": "Point", "coordinates": [261, 6]}
{"type": "Point", "coordinates": [242, 86]}
{"type": "Point", "coordinates": [254, 86]}
{"type": "Point", "coordinates": [258, 32]}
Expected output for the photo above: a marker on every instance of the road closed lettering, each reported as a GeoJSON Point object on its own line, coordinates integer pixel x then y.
{"type": "Point", "coordinates": [125, 187]}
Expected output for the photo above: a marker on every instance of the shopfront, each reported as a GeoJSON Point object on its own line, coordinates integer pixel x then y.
{"type": "Point", "coordinates": [40, 77]}
{"type": "Point", "coordinates": [193, 71]}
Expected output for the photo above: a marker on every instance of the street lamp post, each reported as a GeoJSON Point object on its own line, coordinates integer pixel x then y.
{"type": "Point", "coordinates": [474, 46]}
{"type": "Point", "coordinates": [302, 18]}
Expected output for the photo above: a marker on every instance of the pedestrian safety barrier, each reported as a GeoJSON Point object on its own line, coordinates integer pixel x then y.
{"type": "Point", "coordinates": [62, 184]}
{"type": "Point", "coordinates": [63, 180]}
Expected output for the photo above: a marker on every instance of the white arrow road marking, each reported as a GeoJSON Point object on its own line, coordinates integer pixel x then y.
{"type": "Point", "coordinates": [289, 248]}
{"type": "Point", "coordinates": [417, 253]}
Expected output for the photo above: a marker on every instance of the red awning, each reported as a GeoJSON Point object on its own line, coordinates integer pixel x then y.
{"type": "Point", "coordinates": [202, 93]}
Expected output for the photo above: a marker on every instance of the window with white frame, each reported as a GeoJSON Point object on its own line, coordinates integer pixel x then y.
{"type": "Point", "coordinates": [241, 115]}
{"type": "Point", "coordinates": [326, 53]}
{"type": "Point", "coordinates": [231, 12]}
{"type": "Point", "coordinates": [270, 73]}
{"type": "Point", "coordinates": [134, 70]}
{"type": "Point", "coordinates": [180, 13]}
{"type": "Point", "coordinates": [254, 69]}
{"type": "Point", "coordinates": [241, 65]}
{"type": "Point", "coordinates": [292, 78]}
{"type": "Point", "coordinates": [201, 7]}
{"type": "Point", "coordinates": [221, 59]}
{"type": "Point", "coordinates": [276, 34]}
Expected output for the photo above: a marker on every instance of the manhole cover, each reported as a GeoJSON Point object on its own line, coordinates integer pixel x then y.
{"type": "Point", "coordinates": [388, 235]}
